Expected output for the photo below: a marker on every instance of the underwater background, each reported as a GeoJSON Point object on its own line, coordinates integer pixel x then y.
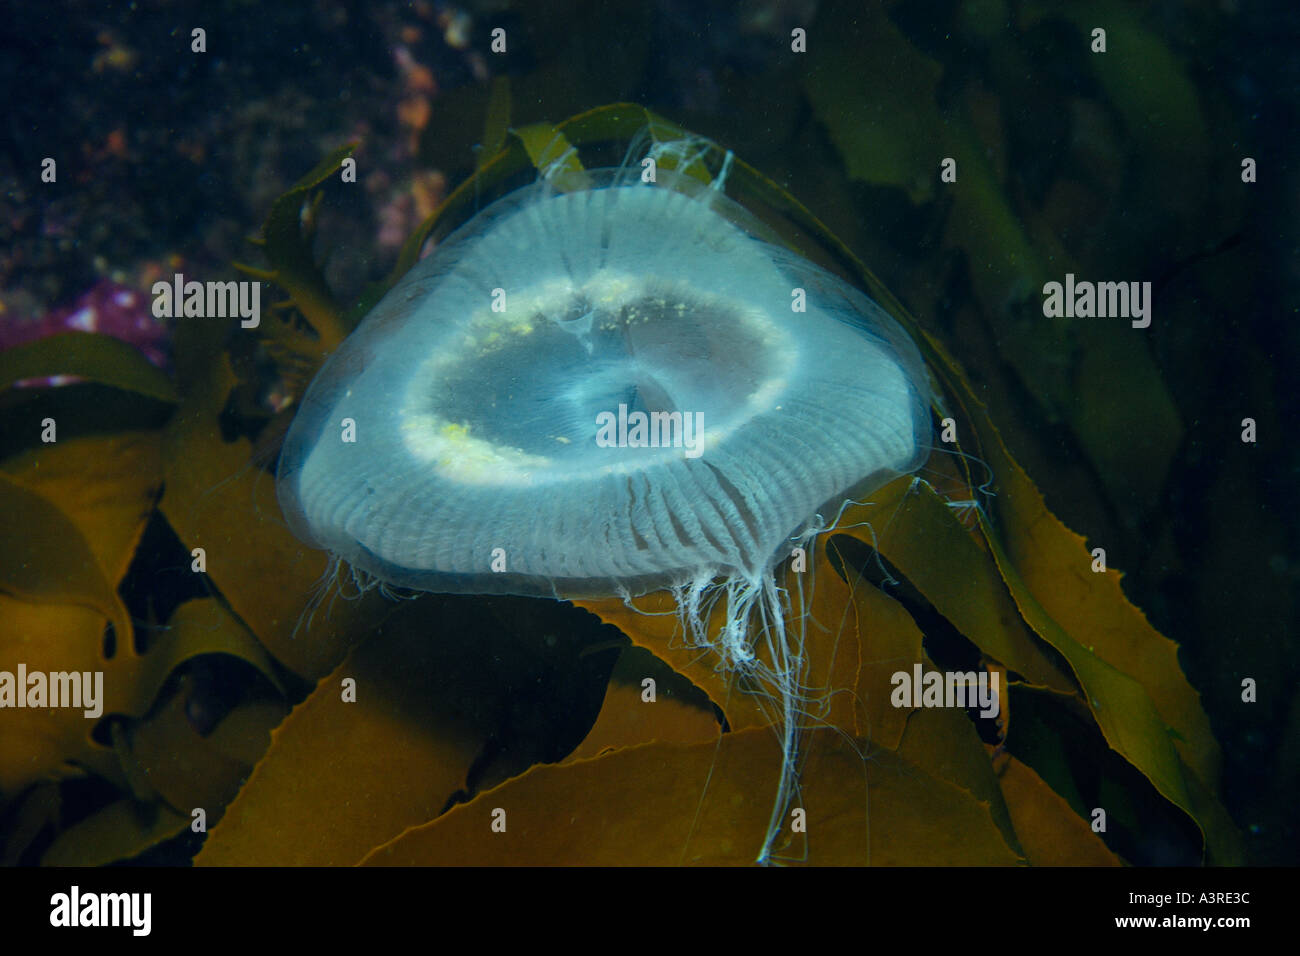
{"type": "Point", "coordinates": [1122, 165]}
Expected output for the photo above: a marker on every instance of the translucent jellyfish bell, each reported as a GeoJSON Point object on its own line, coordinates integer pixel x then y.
{"type": "Point", "coordinates": [608, 391]}
{"type": "Point", "coordinates": [598, 392]}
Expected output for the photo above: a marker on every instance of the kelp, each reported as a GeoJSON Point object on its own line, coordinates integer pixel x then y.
{"type": "Point", "coordinates": [645, 701]}
{"type": "Point", "coordinates": [97, 358]}
{"type": "Point", "coordinates": [707, 803]}
{"type": "Point", "coordinates": [1051, 833]}
{"type": "Point", "coordinates": [208, 479]}
{"type": "Point", "coordinates": [287, 242]}
{"type": "Point", "coordinates": [360, 770]}
{"type": "Point", "coordinates": [884, 103]}
{"type": "Point", "coordinates": [409, 736]}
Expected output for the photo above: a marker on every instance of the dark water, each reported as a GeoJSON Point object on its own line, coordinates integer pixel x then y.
{"type": "Point", "coordinates": [1165, 160]}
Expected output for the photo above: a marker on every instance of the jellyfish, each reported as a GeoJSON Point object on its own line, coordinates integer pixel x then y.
{"type": "Point", "coordinates": [603, 387]}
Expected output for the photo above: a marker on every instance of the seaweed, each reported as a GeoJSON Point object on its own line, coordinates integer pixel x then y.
{"type": "Point", "coordinates": [366, 730]}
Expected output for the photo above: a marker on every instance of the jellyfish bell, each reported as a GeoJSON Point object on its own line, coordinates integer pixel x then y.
{"type": "Point", "coordinates": [606, 391]}
{"type": "Point", "coordinates": [613, 387]}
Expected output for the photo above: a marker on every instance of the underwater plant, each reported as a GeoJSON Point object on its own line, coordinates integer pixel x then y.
{"type": "Point", "coordinates": [937, 533]}
{"type": "Point", "coordinates": [771, 607]}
